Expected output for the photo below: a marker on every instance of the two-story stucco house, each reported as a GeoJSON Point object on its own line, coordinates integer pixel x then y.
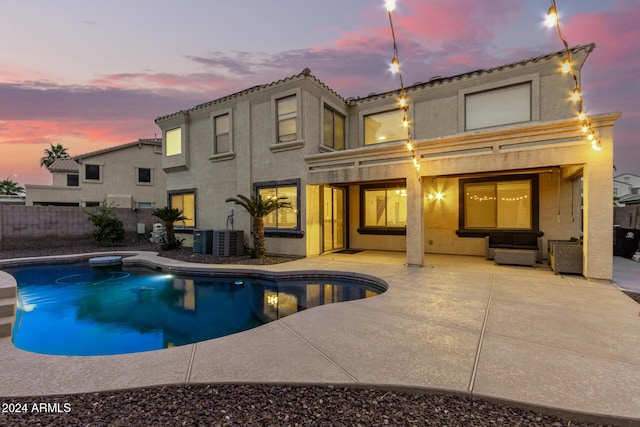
{"type": "Point", "coordinates": [127, 176]}
{"type": "Point", "coordinates": [626, 188]}
{"type": "Point", "coordinates": [499, 149]}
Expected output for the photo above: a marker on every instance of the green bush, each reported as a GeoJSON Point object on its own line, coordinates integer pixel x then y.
{"type": "Point", "coordinates": [109, 228]}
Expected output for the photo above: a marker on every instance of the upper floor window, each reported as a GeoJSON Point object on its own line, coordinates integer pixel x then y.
{"type": "Point", "coordinates": [221, 134]}
{"type": "Point", "coordinates": [384, 127]}
{"type": "Point", "coordinates": [72, 180]}
{"type": "Point", "coordinates": [334, 129]}
{"type": "Point", "coordinates": [173, 142]}
{"type": "Point", "coordinates": [287, 112]}
{"type": "Point", "coordinates": [184, 200]}
{"type": "Point", "coordinates": [144, 176]}
{"type": "Point", "coordinates": [92, 172]}
{"type": "Point", "coordinates": [500, 106]}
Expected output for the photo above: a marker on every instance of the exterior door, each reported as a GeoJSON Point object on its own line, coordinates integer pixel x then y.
{"type": "Point", "coordinates": [333, 213]}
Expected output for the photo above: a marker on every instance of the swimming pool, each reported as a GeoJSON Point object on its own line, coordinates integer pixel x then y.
{"type": "Point", "coordinates": [74, 309]}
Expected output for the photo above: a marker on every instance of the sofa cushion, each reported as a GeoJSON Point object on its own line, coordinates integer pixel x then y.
{"type": "Point", "coordinates": [525, 239]}
{"type": "Point", "coordinates": [500, 240]}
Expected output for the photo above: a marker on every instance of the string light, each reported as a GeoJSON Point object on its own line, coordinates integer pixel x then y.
{"type": "Point", "coordinates": [567, 67]}
{"type": "Point", "coordinates": [390, 6]}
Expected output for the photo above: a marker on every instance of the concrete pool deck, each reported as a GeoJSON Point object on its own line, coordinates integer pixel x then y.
{"type": "Point", "coordinates": [458, 325]}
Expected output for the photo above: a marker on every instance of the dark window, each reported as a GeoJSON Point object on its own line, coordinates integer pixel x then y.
{"type": "Point", "coordinates": [144, 175]}
{"type": "Point", "coordinates": [72, 180]}
{"type": "Point", "coordinates": [92, 172]}
{"type": "Point", "coordinates": [333, 129]}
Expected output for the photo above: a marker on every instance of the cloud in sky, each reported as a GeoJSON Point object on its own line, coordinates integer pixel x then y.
{"type": "Point", "coordinates": [435, 38]}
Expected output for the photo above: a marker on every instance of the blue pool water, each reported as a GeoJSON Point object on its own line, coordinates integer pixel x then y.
{"type": "Point", "coordinates": [74, 309]}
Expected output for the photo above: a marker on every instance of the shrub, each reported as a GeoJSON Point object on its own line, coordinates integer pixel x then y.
{"type": "Point", "coordinates": [109, 228]}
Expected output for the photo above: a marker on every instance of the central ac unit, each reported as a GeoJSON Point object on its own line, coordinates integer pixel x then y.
{"type": "Point", "coordinates": [228, 242]}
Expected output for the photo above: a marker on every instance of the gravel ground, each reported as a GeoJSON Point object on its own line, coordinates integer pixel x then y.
{"type": "Point", "coordinates": [256, 405]}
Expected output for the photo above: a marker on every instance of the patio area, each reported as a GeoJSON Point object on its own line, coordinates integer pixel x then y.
{"type": "Point", "coordinates": [459, 325]}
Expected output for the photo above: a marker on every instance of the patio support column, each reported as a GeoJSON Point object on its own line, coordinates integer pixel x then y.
{"type": "Point", "coordinates": [598, 210]}
{"type": "Point", "coordinates": [415, 221]}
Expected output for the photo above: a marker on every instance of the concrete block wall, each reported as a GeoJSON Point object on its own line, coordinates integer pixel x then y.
{"type": "Point", "coordinates": [27, 226]}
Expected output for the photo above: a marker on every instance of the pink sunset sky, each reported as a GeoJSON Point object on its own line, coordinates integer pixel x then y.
{"type": "Point", "coordinates": [90, 75]}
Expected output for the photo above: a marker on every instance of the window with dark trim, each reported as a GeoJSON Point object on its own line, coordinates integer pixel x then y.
{"type": "Point", "coordinates": [92, 172]}
{"type": "Point", "coordinates": [334, 129]}
{"type": "Point", "coordinates": [500, 203]}
{"type": "Point", "coordinates": [284, 222]}
{"type": "Point", "coordinates": [383, 209]}
{"type": "Point", "coordinates": [73, 180]}
{"type": "Point", "coordinates": [144, 176]}
{"type": "Point", "coordinates": [185, 200]}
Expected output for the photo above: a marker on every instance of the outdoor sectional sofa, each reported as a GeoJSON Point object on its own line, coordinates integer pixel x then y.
{"type": "Point", "coordinates": [518, 240]}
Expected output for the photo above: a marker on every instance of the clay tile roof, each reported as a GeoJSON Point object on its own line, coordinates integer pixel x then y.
{"type": "Point", "coordinates": [66, 164]}
{"type": "Point", "coordinates": [306, 73]}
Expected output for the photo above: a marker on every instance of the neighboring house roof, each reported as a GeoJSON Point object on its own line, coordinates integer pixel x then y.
{"type": "Point", "coordinates": [141, 141]}
{"type": "Point", "coordinates": [625, 175]}
{"type": "Point", "coordinates": [631, 199]}
{"type": "Point", "coordinates": [66, 164]}
{"type": "Point", "coordinates": [588, 48]}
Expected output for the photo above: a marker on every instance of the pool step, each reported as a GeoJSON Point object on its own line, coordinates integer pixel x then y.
{"type": "Point", "coordinates": [7, 307]}
{"type": "Point", "coordinates": [7, 311]}
{"type": "Point", "coordinates": [8, 293]}
{"type": "Point", "coordinates": [6, 325]}
{"type": "Point", "coordinates": [7, 290]}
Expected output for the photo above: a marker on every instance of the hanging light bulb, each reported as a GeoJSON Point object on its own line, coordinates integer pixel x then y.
{"type": "Point", "coordinates": [409, 146]}
{"type": "Point", "coordinates": [576, 95]}
{"type": "Point", "coordinates": [566, 65]}
{"type": "Point", "coordinates": [552, 16]}
{"type": "Point", "coordinates": [395, 65]}
{"type": "Point", "coordinates": [390, 5]}
{"type": "Point", "coordinates": [405, 121]}
{"type": "Point", "coordinates": [402, 101]}
{"type": "Point", "coordinates": [582, 116]}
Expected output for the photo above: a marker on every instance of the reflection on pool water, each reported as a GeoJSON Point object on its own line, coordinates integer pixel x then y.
{"type": "Point", "coordinates": [73, 309]}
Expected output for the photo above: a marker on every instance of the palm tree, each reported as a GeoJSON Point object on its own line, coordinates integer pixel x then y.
{"type": "Point", "coordinates": [258, 208]}
{"type": "Point", "coordinates": [169, 216]}
{"type": "Point", "coordinates": [56, 152]}
{"type": "Point", "coordinates": [10, 188]}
